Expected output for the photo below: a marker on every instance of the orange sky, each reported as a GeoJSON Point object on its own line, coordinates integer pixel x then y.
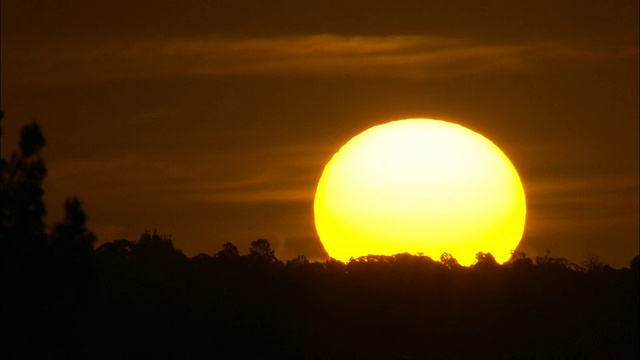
{"type": "Point", "coordinates": [212, 121]}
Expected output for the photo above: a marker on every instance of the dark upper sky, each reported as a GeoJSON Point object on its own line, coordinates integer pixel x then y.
{"type": "Point", "coordinates": [212, 120]}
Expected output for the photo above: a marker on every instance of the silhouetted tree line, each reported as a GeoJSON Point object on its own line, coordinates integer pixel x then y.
{"type": "Point", "coordinates": [146, 299]}
{"type": "Point", "coordinates": [45, 275]}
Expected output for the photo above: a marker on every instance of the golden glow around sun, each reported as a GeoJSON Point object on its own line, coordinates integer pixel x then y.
{"type": "Point", "coordinates": [420, 185]}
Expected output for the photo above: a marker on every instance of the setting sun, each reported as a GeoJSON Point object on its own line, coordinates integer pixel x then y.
{"type": "Point", "coordinates": [420, 186]}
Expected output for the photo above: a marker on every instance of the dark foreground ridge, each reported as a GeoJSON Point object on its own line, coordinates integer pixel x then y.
{"type": "Point", "coordinates": [61, 298]}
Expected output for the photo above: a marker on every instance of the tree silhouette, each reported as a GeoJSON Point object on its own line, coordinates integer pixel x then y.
{"type": "Point", "coordinates": [520, 260]}
{"type": "Point", "coordinates": [229, 251]}
{"type": "Point", "coordinates": [72, 244]}
{"type": "Point", "coordinates": [592, 263]}
{"type": "Point", "coordinates": [553, 263]}
{"type": "Point", "coordinates": [297, 262]}
{"type": "Point", "coordinates": [485, 261]}
{"type": "Point", "coordinates": [633, 264]}
{"type": "Point", "coordinates": [21, 206]}
{"type": "Point", "coordinates": [117, 250]}
{"type": "Point", "coordinates": [261, 252]}
{"type": "Point", "coordinates": [71, 237]}
{"type": "Point", "coordinates": [449, 261]}
{"type": "Point", "coordinates": [44, 277]}
{"type": "Point", "coordinates": [157, 250]}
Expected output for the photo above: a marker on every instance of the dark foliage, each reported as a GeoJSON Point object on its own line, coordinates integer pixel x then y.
{"type": "Point", "coordinates": [145, 299]}
{"type": "Point", "coordinates": [400, 306]}
{"type": "Point", "coordinates": [45, 278]}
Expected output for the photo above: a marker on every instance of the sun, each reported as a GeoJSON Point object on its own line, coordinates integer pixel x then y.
{"type": "Point", "coordinates": [420, 186]}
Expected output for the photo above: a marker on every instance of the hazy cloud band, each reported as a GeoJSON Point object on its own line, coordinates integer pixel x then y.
{"type": "Point", "coordinates": [83, 59]}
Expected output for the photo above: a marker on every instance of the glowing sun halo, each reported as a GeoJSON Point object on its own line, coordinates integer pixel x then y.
{"type": "Point", "coordinates": [420, 185]}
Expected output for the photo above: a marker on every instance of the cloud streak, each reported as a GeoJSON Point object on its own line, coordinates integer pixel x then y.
{"type": "Point", "coordinates": [569, 204]}
{"type": "Point", "coordinates": [85, 59]}
{"type": "Point", "coordinates": [283, 175]}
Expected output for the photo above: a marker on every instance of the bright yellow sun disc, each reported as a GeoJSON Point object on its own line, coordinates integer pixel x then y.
{"type": "Point", "coordinates": [420, 186]}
